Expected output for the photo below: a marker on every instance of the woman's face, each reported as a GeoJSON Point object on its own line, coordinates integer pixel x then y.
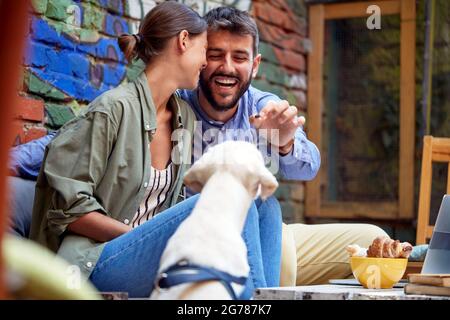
{"type": "Point", "coordinates": [194, 60]}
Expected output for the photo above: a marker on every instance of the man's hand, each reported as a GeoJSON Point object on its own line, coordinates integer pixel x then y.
{"type": "Point", "coordinates": [282, 117]}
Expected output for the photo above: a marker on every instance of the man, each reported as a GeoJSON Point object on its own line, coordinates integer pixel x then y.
{"type": "Point", "coordinates": [228, 107]}
{"type": "Point", "coordinates": [225, 100]}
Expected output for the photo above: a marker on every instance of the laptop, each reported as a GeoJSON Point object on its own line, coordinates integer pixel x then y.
{"type": "Point", "coordinates": [437, 259]}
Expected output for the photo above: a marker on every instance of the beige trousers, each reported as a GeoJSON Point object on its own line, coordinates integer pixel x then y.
{"type": "Point", "coordinates": [314, 254]}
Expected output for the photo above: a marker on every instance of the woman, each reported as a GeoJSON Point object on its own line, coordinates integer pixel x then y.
{"type": "Point", "coordinates": [109, 172]}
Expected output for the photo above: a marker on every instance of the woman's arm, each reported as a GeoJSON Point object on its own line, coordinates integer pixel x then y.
{"type": "Point", "coordinates": [98, 227]}
{"type": "Point", "coordinates": [74, 164]}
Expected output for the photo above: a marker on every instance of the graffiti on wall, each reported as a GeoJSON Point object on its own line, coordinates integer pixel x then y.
{"type": "Point", "coordinates": [72, 46]}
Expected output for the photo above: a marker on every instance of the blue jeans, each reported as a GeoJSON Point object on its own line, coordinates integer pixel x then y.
{"type": "Point", "coordinates": [130, 262]}
{"type": "Point", "coordinates": [21, 197]}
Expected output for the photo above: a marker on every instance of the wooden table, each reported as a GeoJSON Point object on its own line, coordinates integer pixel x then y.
{"type": "Point", "coordinates": [337, 292]}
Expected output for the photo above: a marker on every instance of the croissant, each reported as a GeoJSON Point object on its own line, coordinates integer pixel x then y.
{"type": "Point", "coordinates": [406, 250]}
{"type": "Point", "coordinates": [356, 251]}
{"type": "Point", "coordinates": [385, 247]}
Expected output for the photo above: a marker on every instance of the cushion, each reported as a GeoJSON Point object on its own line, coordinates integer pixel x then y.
{"type": "Point", "coordinates": [34, 272]}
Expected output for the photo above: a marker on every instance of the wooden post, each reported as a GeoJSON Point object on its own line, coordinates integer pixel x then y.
{"type": "Point", "coordinates": [315, 99]}
{"type": "Point", "coordinates": [407, 108]}
{"type": "Point", "coordinates": [448, 179]}
{"type": "Point", "coordinates": [13, 23]}
{"type": "Point", "coordinates": [425, 191]}
{"type": "Point", "coordinates": [359, 9]}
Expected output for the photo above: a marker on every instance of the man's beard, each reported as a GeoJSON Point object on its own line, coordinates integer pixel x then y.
{"type": "Point", "coordinates": [207, 92]}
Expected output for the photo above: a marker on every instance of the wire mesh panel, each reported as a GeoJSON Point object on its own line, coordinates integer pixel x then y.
{"type": "Point", "coordinates": [361, 111]}
{"type": "Point", "coordinates": [368, 103]}
{"type": "Point", "coordinates": [440, 96]}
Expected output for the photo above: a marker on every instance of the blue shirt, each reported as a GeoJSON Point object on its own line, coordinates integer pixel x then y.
{"type": "Point", "coordinates": [301, 164]}
{"type": "Point", "coordinates": [26, 159]}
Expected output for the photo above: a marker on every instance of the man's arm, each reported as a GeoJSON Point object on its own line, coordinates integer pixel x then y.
{"type": "Point", "coordinates": [26, 159]}
{"type": "Point", "coordinates": [301, 160]}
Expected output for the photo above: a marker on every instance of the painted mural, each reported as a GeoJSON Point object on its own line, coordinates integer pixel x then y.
{"type": "Point", "coordinates": [73, 57]}
{"type": "Point", "coordinates": [72, 49]}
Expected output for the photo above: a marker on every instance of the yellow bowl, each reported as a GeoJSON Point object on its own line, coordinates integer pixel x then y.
{"type": "Point", "coordinates": [378, 273]}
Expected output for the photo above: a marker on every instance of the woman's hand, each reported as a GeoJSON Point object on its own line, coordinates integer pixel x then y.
{"type": "Point", "coordinates": [98, 227]}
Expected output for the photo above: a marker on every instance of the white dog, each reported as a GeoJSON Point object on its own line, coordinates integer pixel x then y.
{"type": "Point", "coordinates": [230, 175]}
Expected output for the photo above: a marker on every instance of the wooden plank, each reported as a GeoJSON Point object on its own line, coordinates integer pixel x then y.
{"type": "Point", "coordinates": [448, 179]}
{"type": "Point", "coordinates": [359, 9]}
{"type": "Point", "coordinates": [415, 264]}
{"type": "Point", "coordinates": [357, 210]}
{"type": "Point", "coordinates": [425, 192]}
{"type": "Point", "coordinates": [315, 99]}
{"type": "Point", "coordinates": [408, 10]}
{"type": "Point", "coordinates": [429, 231]}
{"type": "Point", "coordinates": [412, 267]}
{"type": "Point", "coordinates": [441, 145]}
{"type": "Point", "coordinates": [440, 157]}
{"type": "Point", "coordinates": [407, 108]}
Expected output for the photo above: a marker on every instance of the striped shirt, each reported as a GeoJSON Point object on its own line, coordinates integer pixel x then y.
{"type": "Point", "coordinates": [159, 185]}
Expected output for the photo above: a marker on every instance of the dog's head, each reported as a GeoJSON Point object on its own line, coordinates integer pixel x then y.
{"type": "Point", "coordinates": [241, 159]}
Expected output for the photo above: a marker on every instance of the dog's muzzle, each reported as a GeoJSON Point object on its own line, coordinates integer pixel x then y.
{"type": "Point", "coordinates": [185, 272]}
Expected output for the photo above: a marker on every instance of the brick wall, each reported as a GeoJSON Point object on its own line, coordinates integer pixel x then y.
{"type": "Point", "coordinates": [284, 45]}
{"type": "Point", "coordinates": [72, 57]}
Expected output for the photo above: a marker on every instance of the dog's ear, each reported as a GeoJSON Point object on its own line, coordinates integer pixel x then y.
{"type": "Point", "coordinates": [197, 176]}
{"type": "Point", "coordinates": [268, 183]}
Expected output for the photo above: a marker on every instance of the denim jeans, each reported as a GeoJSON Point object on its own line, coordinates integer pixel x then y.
{"type": "Point", "coordinates": [21, 197]}
{"type": "Point", "coordinates": [130, 262]}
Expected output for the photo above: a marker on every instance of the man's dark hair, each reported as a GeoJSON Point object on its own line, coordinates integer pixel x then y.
{"type": "Point", "coordinates": [235, 21]}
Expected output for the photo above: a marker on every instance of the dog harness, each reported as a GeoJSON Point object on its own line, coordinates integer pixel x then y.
{"type": "Point", "coordinates": [185, 272]}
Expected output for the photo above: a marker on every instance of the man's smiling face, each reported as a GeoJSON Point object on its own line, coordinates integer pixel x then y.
{"type": "Point", "coordinates": [230, 69]}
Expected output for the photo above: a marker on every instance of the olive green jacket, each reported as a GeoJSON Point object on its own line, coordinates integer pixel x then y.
{"type": "Point", "coordinates": [100, 161]}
